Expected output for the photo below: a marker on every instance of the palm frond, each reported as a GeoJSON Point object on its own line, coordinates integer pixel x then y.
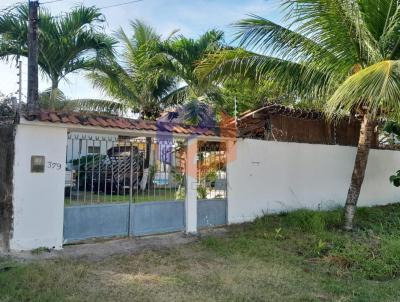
{"type": "Point", "coordinates": [292, 77]}
{"type": "Point", "coordinates": [102, 106]}
{"type": "Point", "coordinates": [333, 24]}
{"type": "Point", "coordinates": [375, 88]}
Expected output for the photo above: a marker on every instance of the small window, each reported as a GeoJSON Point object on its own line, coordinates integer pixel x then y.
{"type": "Point", "coordinates": [93, 149]}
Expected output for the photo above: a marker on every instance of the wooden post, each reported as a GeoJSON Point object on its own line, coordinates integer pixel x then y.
{"type": "Point", "coordinates": [33, 82]}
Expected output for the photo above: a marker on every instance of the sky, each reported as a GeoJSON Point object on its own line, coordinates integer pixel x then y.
{"type": "Point", "coordinates": [191, 17]}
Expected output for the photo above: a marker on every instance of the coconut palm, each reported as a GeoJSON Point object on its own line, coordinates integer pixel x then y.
{"type": "Point", "coordinates": [346, 52]}
{"type": "Point", "coordinates": [135, 82]}
{"type": "Point", "coordinates": [67, 43]}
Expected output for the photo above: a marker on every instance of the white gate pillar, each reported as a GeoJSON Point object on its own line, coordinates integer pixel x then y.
{"type": "Point", "coordinates": [191, 186]}
{"type": "Point", "coordinates": [39, 180]}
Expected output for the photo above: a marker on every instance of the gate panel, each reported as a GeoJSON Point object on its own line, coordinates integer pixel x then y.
{"type": "Point", "coordinates": [157, 217]}
{"type": "Point", "coordinates": [211, 212]}
{"type": "Point", "coordinates": [91, 221]}
{"type": "Point", "coordinates": [212, 184]}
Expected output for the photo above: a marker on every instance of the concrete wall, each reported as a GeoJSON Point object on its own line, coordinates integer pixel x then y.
{"type": "Point", "coordinates": [38, 197]}
{"type": "Point", "coordinates": [269, 177]}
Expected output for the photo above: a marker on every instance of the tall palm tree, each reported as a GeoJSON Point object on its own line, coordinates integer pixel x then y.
{"type": "Point", "coordinates": [135, 82]}
{"type": "Point", "coordinates": [67, 43]}
{"type": "Point", "coordinates": [346, 52]}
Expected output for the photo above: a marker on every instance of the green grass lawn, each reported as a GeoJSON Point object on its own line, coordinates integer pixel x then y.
{"type": "Point", "coordinates": [301, 256]}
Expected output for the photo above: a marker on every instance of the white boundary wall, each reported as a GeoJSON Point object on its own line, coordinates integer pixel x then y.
{"type": "Point", "coordinates": [38, 197]}
{"type": "Point", "coordinates": [270, 177]}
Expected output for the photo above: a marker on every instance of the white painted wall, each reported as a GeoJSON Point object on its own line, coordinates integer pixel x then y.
{"type": "Point", "coordinates": [38, 197]}
{"type": "Point", "coordinates": [270, 177]}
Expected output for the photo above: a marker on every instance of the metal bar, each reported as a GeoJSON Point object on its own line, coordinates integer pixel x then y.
{"type": "Point", "coordinates": [137, 172]}
{"type": "Point", "coordinates": [86, 161]}
{"type": "Point", "coordinates": [155, 164]}
{"type": "Point", "coordinates": [105, 173]}
{"type": "Point", "coordinates": [98, 179]}
{"type": "Point", "coordinates": [71, 176]}
{"type": "Point", "coordinates": [66, 163]}
{"type": "Point", "coordinates": [79, 169]}
{"type": "Point", "coordinates": [112, 171]}
{"type": "Point", "coordinates": [124, 172]}
{"type": "Point", "coordinates": [92, 179]}
{"type": "Point", "coordinates": [130, 189]}
{"type": "Point", "coordinates": [118, 163]}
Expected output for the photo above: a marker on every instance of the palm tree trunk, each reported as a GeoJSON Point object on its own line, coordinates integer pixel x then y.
{"type": "Point", "coordinates": [146, 165]}
{"type": "Point", "coordinates": [54, 84]}
{"type": "Point", "coordinates": [360, 165]}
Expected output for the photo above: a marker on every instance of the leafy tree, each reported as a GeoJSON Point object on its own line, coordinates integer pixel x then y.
{"type": "Point", "coordinates": [7, 102]}
{"type": "Point", "coordinates": [67, 43]}
{"type": "Point", "coordinates": [346, 52]}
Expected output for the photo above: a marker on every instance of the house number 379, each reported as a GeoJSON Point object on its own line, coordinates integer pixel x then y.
{"type": "Point", "coordinates": [54, 165]}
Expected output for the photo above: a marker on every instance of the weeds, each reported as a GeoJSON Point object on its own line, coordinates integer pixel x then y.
{"type": "Point", "coordinates": [371, 252]}
{"type": "Point", "coordinates": [299, 256]}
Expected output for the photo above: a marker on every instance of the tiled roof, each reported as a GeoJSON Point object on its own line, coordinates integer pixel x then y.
{"type": "Point", "coordinates": [103, 121]}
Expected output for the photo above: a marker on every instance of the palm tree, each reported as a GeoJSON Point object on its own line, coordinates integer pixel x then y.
{"type": "Point", "coordinates": [67, 43]}
{"type": "Point", "coordinates": [346, 52]}
{"type": "Point", "coordinates": [135, 82]}
{"type": "Point", "coordinates": [179, 57]}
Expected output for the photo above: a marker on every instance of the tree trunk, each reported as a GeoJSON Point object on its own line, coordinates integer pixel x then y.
{"type": "Point", "coordinates": [146, 165]}
{"type": "Point", "coordinates": [54, 84]}
{"type": "Point", "coordinates": [360, 165]}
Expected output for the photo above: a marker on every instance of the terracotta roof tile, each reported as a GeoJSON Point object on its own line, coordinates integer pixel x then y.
{"type": "Point", "coordinates": [131, 124]}
{"type": "Point", "coordinates": [73, 119]}
{"type": "Point", "coordinates": [54, 118]}
{"type": "Point", "coordinates": [44, 116]}
{"type": "Point", "coordinates": [65, 119]}
{"type": "Point", "coordinates": [93, 122]}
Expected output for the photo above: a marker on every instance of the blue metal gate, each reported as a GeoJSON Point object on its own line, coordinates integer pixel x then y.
{"type": "Point", "coordinates": [119, 186]}
{"type": "Point", "coordinates": [212, 184]}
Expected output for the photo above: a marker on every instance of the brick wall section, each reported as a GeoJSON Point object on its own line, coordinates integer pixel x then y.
{"type": "Point", "coordinates": [7, 135]}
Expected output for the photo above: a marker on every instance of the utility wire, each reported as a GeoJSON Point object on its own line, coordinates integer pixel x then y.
{"type": "Point", "coordinates": [120, 4]}
{"type": "Point", "coordinates": [103, 7]}
{"type": "Point", "coordinates": [52, 1]}
{"type": "Point", "coordinates": [10, 8]}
